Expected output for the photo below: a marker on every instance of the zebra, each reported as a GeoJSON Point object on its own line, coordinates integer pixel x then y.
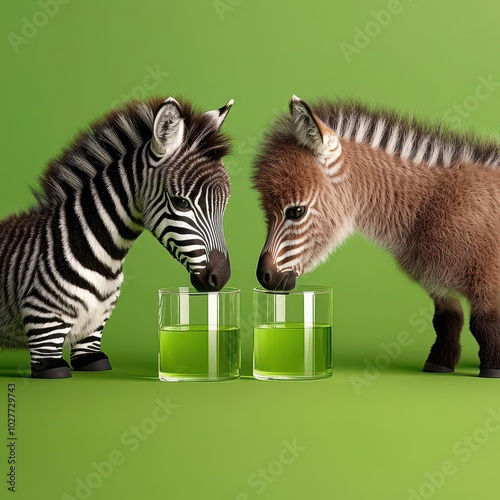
{"type": "Point", "coordinates": [154, 164]}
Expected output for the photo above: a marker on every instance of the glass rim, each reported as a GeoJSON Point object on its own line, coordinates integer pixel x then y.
{"type": "Point", "coordinates": [299, 290]}
{"type": "Point", "coordinates": [189, 290]}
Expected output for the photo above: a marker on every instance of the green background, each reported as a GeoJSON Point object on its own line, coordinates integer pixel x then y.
{"type": "Point", "coordinates": [364, 433]}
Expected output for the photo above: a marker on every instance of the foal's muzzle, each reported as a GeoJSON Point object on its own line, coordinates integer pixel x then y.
{"type": "Point", "coordinates": [215, 275]}
{"type": "Point", "coordinates": [271, 278]}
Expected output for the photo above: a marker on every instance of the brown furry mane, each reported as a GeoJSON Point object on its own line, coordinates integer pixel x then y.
{"type": "Point", "coordinates": [347, 116]}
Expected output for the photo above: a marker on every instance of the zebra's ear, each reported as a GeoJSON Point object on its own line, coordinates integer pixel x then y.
{"type": "Point", "coordinates": [310, 130]}
{"type": "Point", "coordinates": [168, 129]}
{"type": "Point", "coordinates": [219, 115]}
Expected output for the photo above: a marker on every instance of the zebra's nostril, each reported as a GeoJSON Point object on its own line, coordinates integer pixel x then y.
{"type": "Point", "coordinates": [266, 278]}
{"type": "Point", "coordinates": [212, 280]}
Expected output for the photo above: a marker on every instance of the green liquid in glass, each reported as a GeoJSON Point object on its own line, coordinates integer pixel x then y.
{"type": "Point", "coordinates": [290, 350]}
{"type": "Point", "coordinates": [196, 352]}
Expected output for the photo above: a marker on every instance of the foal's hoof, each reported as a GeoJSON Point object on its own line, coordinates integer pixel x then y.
{"type": "Point", "coordinates": [489, 373]}
{"type": "Point", "coordinates": [433, 368]}
{"type": "Point", "coordinates": [50, 368]}
{"type": "Point", "coordinates": [93, 362]}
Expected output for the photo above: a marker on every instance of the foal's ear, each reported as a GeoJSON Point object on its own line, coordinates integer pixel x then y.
{"type": "Point", "coordinates": [219, 115]}
{"type": "Point", "coordinates": [168, 129]}
{"type": "Point", "coordinates": [310, 130]}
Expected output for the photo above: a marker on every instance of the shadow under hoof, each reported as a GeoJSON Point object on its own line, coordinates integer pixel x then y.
{"type": "Point", "coordinates": [489, 373]}
{"type": "Point", "coordinates": [94, 362]}
{"type": "Point", "coordinates": [433, 368]}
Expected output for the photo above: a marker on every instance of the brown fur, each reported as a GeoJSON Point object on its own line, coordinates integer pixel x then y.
{"type": "Point", "coordinates": [441, 223]}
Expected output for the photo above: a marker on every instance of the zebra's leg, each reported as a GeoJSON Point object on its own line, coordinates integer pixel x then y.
{"type": "Point", "coordinates": [448, 321]}
{"type": "Point", "coordinates": [86, 354]}
{"type": "Point", "coordinates": [45, 343]}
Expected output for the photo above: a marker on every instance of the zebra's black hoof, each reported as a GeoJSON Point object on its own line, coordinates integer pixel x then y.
{"type": "Point", "coordinates": [433, 368]}
{"type": "Point", "coordinates": [489, 373]}
{"type": "Point", "coordinates": [50, 368]}
{"type": "Point", "coordinates": [93, 362]}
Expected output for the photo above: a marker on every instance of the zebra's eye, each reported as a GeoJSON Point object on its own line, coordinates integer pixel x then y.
{"type": "Point", "coordinates": [295, 213]}
{"type": "Point", "coordinates": [180, 203]}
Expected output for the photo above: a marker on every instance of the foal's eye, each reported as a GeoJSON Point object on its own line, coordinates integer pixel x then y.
{"type": "Point", "coordinates": [180, 203]}
{"type": "Point", "coordinates": [295, 213]}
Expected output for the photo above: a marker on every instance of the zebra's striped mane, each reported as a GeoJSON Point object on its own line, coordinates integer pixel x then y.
{"type": "Point", "coordinates": [119, 132]}
{"type": "Point", "coordinates": [403, 135]}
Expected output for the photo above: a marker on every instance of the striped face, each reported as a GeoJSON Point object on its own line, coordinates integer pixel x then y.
{"type": "Point", "coordinates": [299, 185]}
{"type": "Point", "coordinates": [195, 207]}
{"type": "Point", "coordinates": [187, 196]}
{"type": "Point", "coordinates": [290, 233]}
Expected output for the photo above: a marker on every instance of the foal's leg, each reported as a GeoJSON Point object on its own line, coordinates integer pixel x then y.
{"type": "Point", "coordinates": [86, 354]}
{"type": "Point", "coordinates": [485, 326]}
{"type": "Point", "coordinates": [448, 321]}
{"type": "Point", "coordinates": [46, 337]}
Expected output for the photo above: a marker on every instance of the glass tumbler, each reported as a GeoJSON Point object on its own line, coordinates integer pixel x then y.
{"type": "Point", "coordinates": [199, 334]}
{"type": "Point", "coordinates": [293, 333]}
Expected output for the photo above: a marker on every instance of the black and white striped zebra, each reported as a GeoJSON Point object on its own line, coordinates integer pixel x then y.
{"type": "Point", "coordinates": [153, 165]}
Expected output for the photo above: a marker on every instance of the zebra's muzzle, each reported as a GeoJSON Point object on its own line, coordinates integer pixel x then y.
{"type": "Point", "coordinates": [271, 278]}
{"type": "Point", "coordinates": [215, 275]}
